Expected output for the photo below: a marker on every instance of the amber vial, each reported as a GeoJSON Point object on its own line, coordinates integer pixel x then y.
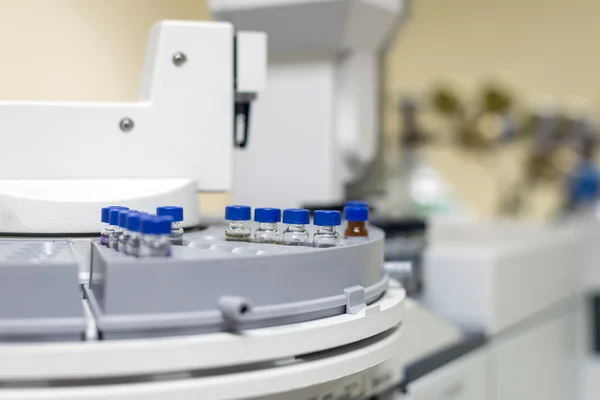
{"type": "Point", "coordinates": [357, 218]}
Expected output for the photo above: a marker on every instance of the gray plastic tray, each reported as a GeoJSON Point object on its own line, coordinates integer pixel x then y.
{"type": "Point", "coordinates": [40, 296]}
{"type": "Point", "coordinates": [210, 285]}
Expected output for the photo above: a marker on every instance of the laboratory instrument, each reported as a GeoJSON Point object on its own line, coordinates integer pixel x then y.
{"type": "Point", "coordinates": [326, 222]}
{"type": "Point", "coordinates": [183, 94]}
{"type": "Point", "coordinates": [114, 218]}
{"type": "Point", "coordinates": [108, 227]}
{"type": "Point", "coordinates": [176, 213]}
{"type": "Point", "coordinates": [268, 225]}
{"type": "Point", "coordinates": [155, 236]}
{"type": "Point", "coordinates": [239, 223]}
{"type": "Point", "coordinates": [357, 218]}
{"type": "Point", "coordinates": [126, 233]}
{"type": "Point", "coordinates": [257, 320]}
{"type": "Point", "coordinates": [295, 233]}
{"type": "Point", "coordinates": [323, 96]}
{"type": "Point", "coordinates": [133, 246]}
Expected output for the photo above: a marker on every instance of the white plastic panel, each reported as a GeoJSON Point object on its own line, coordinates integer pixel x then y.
{"type": "Point", "coordinates": [492, 277]}
{"type": "Point", "coordinates": [357, 114]}
{"type": "Point", "coordinates": [236, 4]}
{"type": "Point", "coordinates": [537, 363]}
{"type": "Point", "coordinates": [336, 26]}
{"type": "Point", "coordinates": [182, 125]}
{"type": "Point", "coordinates": [96, 359]}
{"type": "Point", "coordinates": [251, 62]}
{"type": "Point", "coordinates": [390, 5]}
{"type": "Point", "coordinates": [291, 153]}
{"type": "Point", "coordinates": [423, 333]}
{"type": "Point", "coordinates": [463, 379]}
{"type": "Point", "coordinates": [73, 206]}
{"type": "Point", "coordinates": [308, 376]}
{"type": "Point", "coordinates": [380, 16]}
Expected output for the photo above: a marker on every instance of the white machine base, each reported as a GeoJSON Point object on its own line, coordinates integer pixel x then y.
{"type": "Point", "coordinates": [253, 364]}
{"type": "Point", "coordinates": [72, 206]}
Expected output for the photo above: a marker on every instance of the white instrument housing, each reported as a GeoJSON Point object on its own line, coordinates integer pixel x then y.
{"type": "Point", "coordinates": [318, 122]}
{"type": "Point", "coordinates": [69, 158]}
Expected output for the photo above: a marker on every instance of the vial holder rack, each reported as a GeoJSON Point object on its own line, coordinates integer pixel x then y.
{"type": "Point", "coordinates": [208, 285]}
{"type": "Point", "coordinates": [40, 297]}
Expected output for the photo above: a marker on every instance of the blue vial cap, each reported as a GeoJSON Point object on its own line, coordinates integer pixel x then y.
{"type": "Point", "coordinates": [267, 215]}
{"type": "Point", "coordinates": [133, 221]}
{"type": "Point", "coordinates": [123, 215]}
{"type": "Point", "coordinates": [327, 218]}
{"type": "Point", "coordinates": [356, 203]}
{"type": "Point", "coordinates": [358, 214]}
{"type": "Point", "coordinates": [238, 213]}
{"type": "Point", "coordinates": [113, 215]}
{"type": "Point", "coordinates": [106, 210]}
{"type": "Point", "coordinates": [154, 225]}
{"type": "Point", "coordinates": [296, 216]}
{"type": "Point", "coordinates": [172, 211]}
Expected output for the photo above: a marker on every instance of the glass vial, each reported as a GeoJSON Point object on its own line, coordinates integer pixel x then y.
{"type": "Point", "coordinates": [108, 228]}
{"type": "Point", "coordinates": [133, 246]}
{"type": "Point", "coordinates": [326, 222]}
{"type": "Point", "coordinates": [239, 223]}
{"type": "Point", "coordinates": [155, 236]}
{"type": "Point", "coordinates": [357, 218]}
{"type": "Point", "coordinates": [125, 234]}
{"type": "Point", "coordinates": [268, 230]}
{"type": "Point", "coordinates": [295, 234]}
{"type": "Point", "coordinates": [113, 219]}
{"type": "Point", "coordinates": [176, 213]}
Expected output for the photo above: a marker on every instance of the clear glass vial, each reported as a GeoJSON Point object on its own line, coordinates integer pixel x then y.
{"type": "Point", "coordinates": [239, 229]}
{"type": "Point", "coordinates": [133, 246]}
{"type": "Point", "coordinates": [357, 218]}
{"type": "Point", "coordinates": [108, 228]}
{"type": "Point", "coordinates": [295, 234]}
{"type": "Point", "coordinates": [176, 213]}
{"type": "Point", "coordinates": [155, 236]}
{"type": "Point", "coordinates": [326, 222]}
{"type": "Point", "coordinates": [268, 229]}
{"type": "Point", "coordinates": [124, 225]}
{"type": "Point", "coordinates": [113, 219]}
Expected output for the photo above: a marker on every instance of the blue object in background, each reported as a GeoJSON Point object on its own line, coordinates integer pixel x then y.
{"type": "Point", "coordinates": [584, 184]}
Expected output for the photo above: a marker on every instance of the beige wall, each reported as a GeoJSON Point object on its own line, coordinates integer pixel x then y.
{"type": "Point", "coordinates": [93, 50]}
{"type": "Point", "coordinates": [79, 49]}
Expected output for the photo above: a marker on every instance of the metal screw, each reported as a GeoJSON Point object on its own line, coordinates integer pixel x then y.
{"type": "Point", "coordinates": [179, 59]}
{"type": "Point", "coordinates": [126, 124]}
